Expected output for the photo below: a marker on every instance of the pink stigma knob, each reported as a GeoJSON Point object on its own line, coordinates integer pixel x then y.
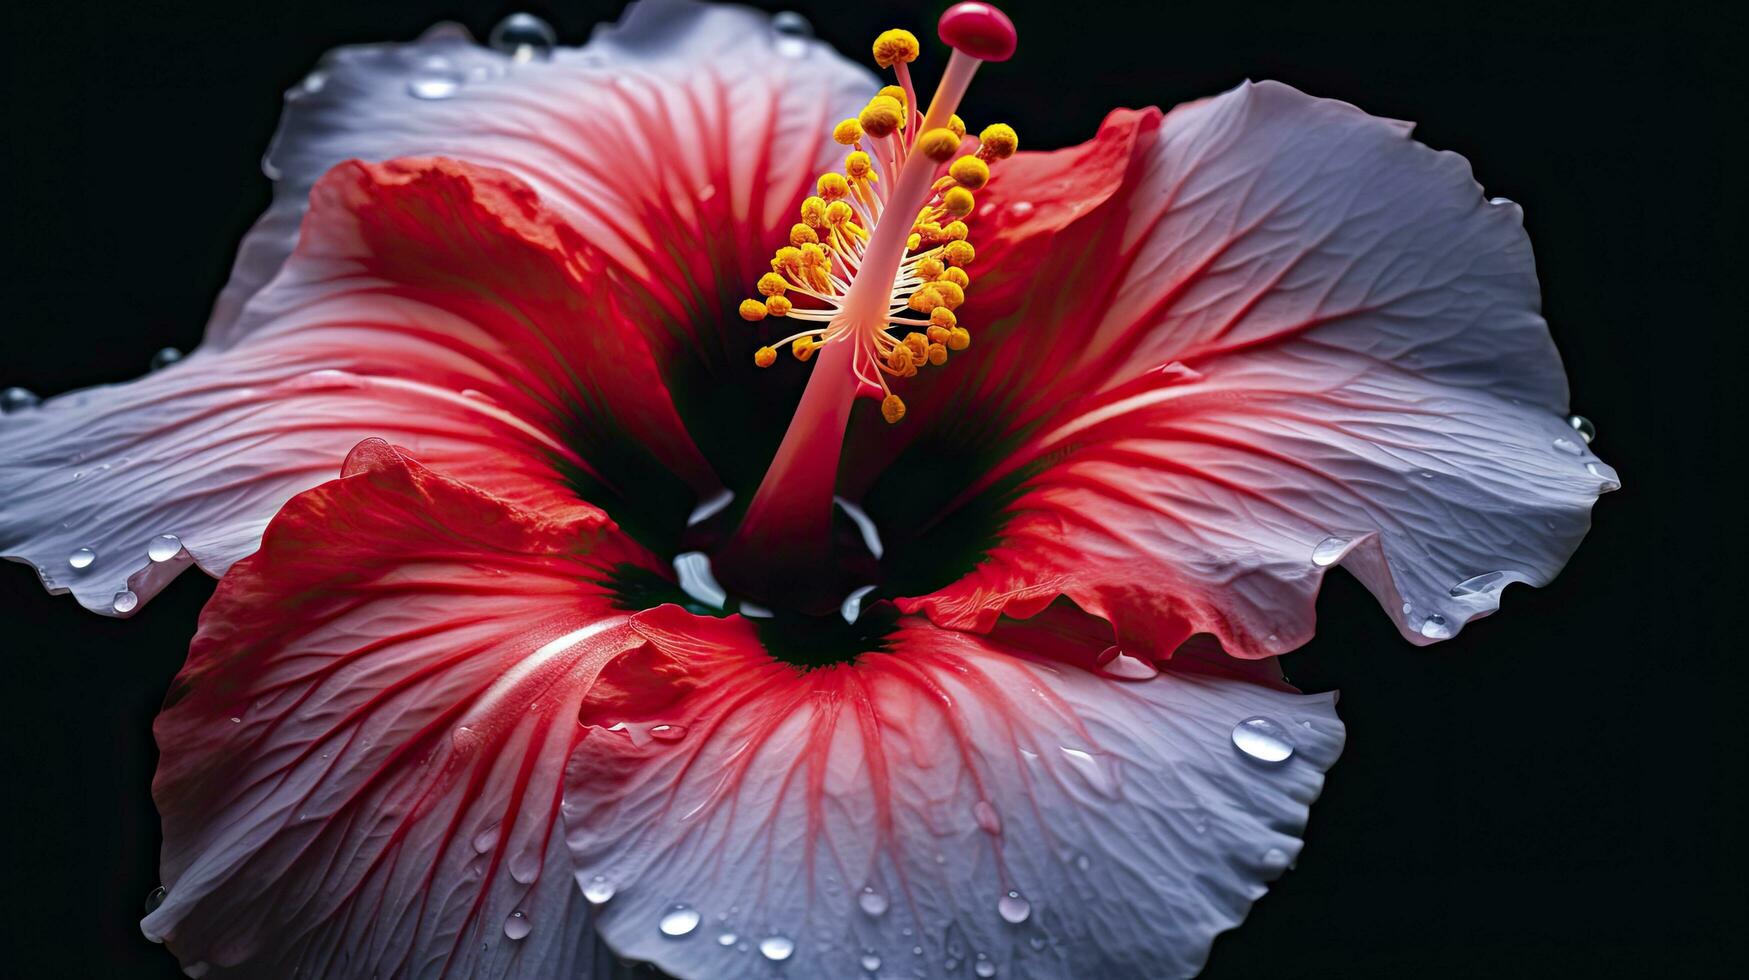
{"type": "Point", "coordinates": [979, 30]}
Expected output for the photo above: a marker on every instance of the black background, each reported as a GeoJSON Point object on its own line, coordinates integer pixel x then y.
{"type": "Point", "coordinates": [1556, 792]}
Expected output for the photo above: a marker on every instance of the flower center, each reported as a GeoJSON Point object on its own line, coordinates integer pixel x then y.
{"type": "Point", "coordinates": [877, 267]}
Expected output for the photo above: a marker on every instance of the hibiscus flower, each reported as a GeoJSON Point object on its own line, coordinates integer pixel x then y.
{"type": "Point", "coordinates": [625, 631]}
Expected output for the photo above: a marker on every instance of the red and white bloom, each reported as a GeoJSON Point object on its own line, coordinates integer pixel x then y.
{"type": "Point", "coordinates": [478, 707]}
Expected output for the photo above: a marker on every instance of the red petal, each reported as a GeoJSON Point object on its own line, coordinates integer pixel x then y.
{"type": "Point", "coordinates": [1291, 336]}
{"type": "Point", "coordinates": [432, 303]}
{"type": "Point", "coordinates": [361, 760]}
{"type": "Point", "coordinates": [884, 810]}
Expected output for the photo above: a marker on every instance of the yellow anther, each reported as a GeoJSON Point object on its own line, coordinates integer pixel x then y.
{"type": "Point", "coordinates": [913, 242]}
{"type": "Point", "coordinates": [930, 231]}
{"type": "Point", "coordinates": [802, 235]}
{"type": "Point", "coordinates": [838, 212]}
{"type": "Point", "coordinates": [772, 284]}
{"type": "Point", "coordinates": [957, 201]}
{"type": "Point", "coordinates": [938, 144]}
{"type": "Point", "coordinates": [858, 166]}
{"type": "Point", "coordinates": [938, 335]}
{"type": "Point", "coordinates": [959, 253]}
{"type": "Point", "coordinates": [971, 172]}
{"type": "Point", "coordinates": [752, 310]}
{"type": "Point", "coordinates": [833, 187]}
{"type": "Point", "coordinates": [894, 46]}
{"type": "Point", "coordinates": [778, 306]}
{"type": "Point", "coordinates": [894, 92]}
{"type": "Point", "coordinates": [882, 116]}
{"type": "Point", "coordinates": [899, 358]}
{"type": "Point", "coordinates": [937, 354]}
{"type": "Point", "coordinates": [998, 141]}
{"type": "Point", "coordinates": [942, 317]}
{"type": "Point", "coordinates": [950, 293]}
{"type": "Point", "coordinates": [957, 276]}
{"type": "Point", "coordinates": [959, 338]}
{"type": "Point", "coordinates": [929, 268]}
{"type": "Point", "coordinates": [803, 348]}
{"type": "Point", "coordinates": [892, 409]}
{"type": "Point", "coordinates": [848, 132]}
{"type": "Point", "coordinates": [765, 356]}
{"type": "Point", "coordinates": [787, 259]}
{"type": "Point", "coordinates": [958, 126]}
{"type": "Point", "coordinates": [924, 300]}
{"type": "Point", "coordinates": [814, 211]}
{"type": "Point", "coordinates": [955, 231]}
{"type": "Point", "coordinates": [918, 345]}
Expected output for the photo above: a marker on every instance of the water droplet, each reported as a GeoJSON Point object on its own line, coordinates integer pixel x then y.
{"type": "Point", "coordinates": [237, 720]}
{"type": "Point", "coordinates": [1020, 210]}
{"type": "Point", "coordinates": [524, 37]}
{"type": "Point", "coordinates": [870, 961]}
{"type": "Point", "coordinates": [1582, 425]}
{"type": "Point", "coordinates": [437, 79]}
{"type": "Point", "coordinates": [984, 967]}
{"type": "Point", "coordinates": [155, 898]}
{"type": "Point", "coordinates": [727, 939]}
{"type": "Point", "coordinates": [1116, 663]}
{"type": "Point", "coordinates": [986, 816]}
{"type": "Point", "coordinates": [776, 948]}
{"type": "Point", "coordinates": [17, 400]}
{"type": "Point", "coordinates": [598, 891]}
{"type": "Point", "coordinates": [872, 902]}
{"type": "Point", "coordinates": [1262, 739]}
{"type": "Point", "coordinates": [668, 733]}
{"type": "Point", "coordinates": [793, 33]}
{"type": "Point", "coordinates": [1498, 201]}
{"type": "Point", "coordinates": [1096, 771]}
{"type": "Point", "coordinates": [517, 925]}
{"type": "Point", "coordinates": [164, 547]}
{"type": "Point", "coordinates": [165, 357]}
{"type": "Point", "coordinates": [1083, 862]}
{"type": "Point", "coordinates": [82, 558]}
{"type": "Point", "coordinates": [1328, 551]}
{"type": "Point", "coordinates": [1480, 584]}
{"type": "Point", "coordinates": [1275, 859]}
{"type": "Point", "coordinates": [1609, 482]}
{"type": "Point", "coordinates": [1014, 908]}
{"type": "Point", "coordinates": [1435, 627]}
{"type": "Point", "coordinates": [678, 921]}
{"type": "Point", "coordinates": [1568, 446]}
{"type": "Point", "coordinates": [124, 601]}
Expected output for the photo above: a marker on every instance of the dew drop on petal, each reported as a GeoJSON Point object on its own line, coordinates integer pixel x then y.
{"type": "Point", "coordinates": [598, 891]}
{"type": "Point", "coordinates": [871, 901]}
{"type": "Point", "coordinates": [1275, 859]}
{"type": "Point", "coordinates": [524, 37]}
{"type": "Point", "coordinates": [517, 926]}
{"type": "Point", "coordinates": [436, 79]}
{"type": "Point", "coordinates": [668, 733]}
{"type": "Point", "coordinates": [984, 967]}
{"type": "Point", "coordinates": [776, 948]}
{"type": "Point", "coordinates": [1479, 585]}
{"type": "Point", "coordinates": [1083, 862]}
{"type": "Point", "coordinates": [155, 898]}
{"type": "Point", "coordinates": [1262, 739]}
{"type": "Point", "coordinates": [793, 33]}
{"type": "Point", "coordinates": [82, 558]}
{"type": "Point", "coordinates": [17, 400]}
{"type": "Point", "coordinates": [124, 601]}
{"type": "Point", "coordinates": [1582, 425]}
{"type": "Point", "coordinates": [1568, 446]}
{"type": "Point", "coordinates": [727, 939]}
{"type": "Point", "coordinates": [1020, 210]}
{"type": "Point", "coordinates": [1014, 908]}
{"type": "Point", "coordinates": [1436, 627]}
{"type": "Point", "coordinates": [1329, 551]}
{"type": "Point", "coordinates": [1498, 201]}
{"type": "Point", "coordinates": [164, 547]}
{"type": "Point", "coordinates": [1609, 482]}
{"type": "Point", "coordinates": [679, 920]}
{"type": "Point", "coordinates": [870, 961]}
{"type": "Point", "coordinates": [165, 357]}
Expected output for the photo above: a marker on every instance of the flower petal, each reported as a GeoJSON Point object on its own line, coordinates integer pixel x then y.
{"type": "Point", "coordinates": [360, 762]}
{"type": "Point", "coordinates": [430, 302]}
{"type": "Point", "coordinates": [1293, 337]}
{"type": "Point", "coordinates": [957, 802]}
